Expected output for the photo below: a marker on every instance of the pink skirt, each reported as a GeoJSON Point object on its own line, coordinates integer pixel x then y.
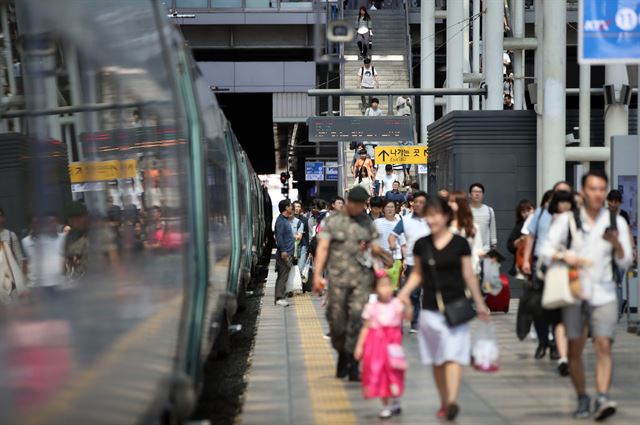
{"type": "Point", "coordinates": [379, 379]}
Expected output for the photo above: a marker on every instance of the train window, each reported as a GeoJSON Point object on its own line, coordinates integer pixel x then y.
{"type": "Point", "coordinates": [96, 211]}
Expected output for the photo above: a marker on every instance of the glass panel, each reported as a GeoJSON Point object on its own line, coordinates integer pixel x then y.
{"type": "Point", "coordinates": [97, 205]}
{"type": "Point", "coordinates": [222, 4]}
{"type": "Point", "coordinates": [192, 3]}
{"type": "Point", "coordinates": [296, 5]}
{"type": "Point", "coordinates": [261, 4]}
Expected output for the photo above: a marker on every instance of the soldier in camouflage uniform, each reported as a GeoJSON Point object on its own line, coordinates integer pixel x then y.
{"type": "Point", "coordinates": [345, 246]}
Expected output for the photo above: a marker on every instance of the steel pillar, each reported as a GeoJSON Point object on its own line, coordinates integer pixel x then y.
{"type": "Point", "coordinates": [455, 51]}
{"type": "Point", "coordinates": [492, 51]}
{"type": "Point", "coordinates": [585, 110]}
{"type": "Point", "coordinates": [638, 161]}
{"type": "Point", "coordinates": [427, 72]}
{"type": "Point", "coordinates": [616, 119]}
{"type": "Point", "coordinates": [554, 80]}
{"type": "Point", "coordinates": [466, 52]}
{"type": "Point", "coordinates": [539, 20]}
{"type": "Point", "coordinates": [475, 52]}
{"type": "Point", "coordinates": [518, 55]}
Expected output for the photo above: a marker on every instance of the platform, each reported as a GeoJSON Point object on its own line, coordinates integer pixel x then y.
{"type": "Point", "coordinates": [291, 380]}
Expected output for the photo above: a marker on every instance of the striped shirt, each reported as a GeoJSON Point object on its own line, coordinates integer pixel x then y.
{"type": "Point", "coordinates": [485, 218]}
{"type": "Point", "coordinates": [385, 228]}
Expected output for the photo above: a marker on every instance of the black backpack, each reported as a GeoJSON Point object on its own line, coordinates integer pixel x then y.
{"type": "Point", "coordinates": [373, 71]}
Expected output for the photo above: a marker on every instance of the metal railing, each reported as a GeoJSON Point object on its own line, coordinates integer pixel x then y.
{"type": "Point", "coordinates": [208, 6]}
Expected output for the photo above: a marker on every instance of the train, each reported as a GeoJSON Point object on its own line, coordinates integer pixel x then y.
{"type": "Point", "coordinates": [142, 223]}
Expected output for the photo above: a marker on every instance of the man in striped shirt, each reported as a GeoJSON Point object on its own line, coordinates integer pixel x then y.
{"type": "Point", "coordinates": [484, 217]}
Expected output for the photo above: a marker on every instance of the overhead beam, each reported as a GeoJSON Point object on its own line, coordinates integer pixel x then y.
{"type": "Point", "coordinates": [463, 91]}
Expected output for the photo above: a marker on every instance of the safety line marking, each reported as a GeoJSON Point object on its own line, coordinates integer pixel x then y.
{"type": "Point", "coordinates": [329, 401]}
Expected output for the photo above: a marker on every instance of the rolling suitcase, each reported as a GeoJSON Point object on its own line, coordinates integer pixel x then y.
{"type": "Point", "coordinates": [501, 301]}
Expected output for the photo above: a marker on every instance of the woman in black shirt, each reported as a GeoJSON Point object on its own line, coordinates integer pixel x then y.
{"type": "Point", "coordinates": [444, 347]}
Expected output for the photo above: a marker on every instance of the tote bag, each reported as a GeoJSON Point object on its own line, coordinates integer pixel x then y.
{"type": "Point", "coordinates": [557, 291]}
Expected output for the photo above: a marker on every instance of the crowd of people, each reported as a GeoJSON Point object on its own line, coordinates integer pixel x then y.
{"type": "Point", "coordinates": [443, 243]}
{"type": "Point", "coordinates": [53, 254]}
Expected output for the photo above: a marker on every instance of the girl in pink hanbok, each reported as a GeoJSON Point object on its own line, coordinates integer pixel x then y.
{"type": "Point", "coordinates": [379, 347]}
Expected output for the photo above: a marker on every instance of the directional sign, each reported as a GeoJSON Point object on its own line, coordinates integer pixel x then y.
{"type": "Point", "coordinates": [314, 171]}
{"type": "Point", "coordinates": [609, 31]}
{"type": "Point", "coordinates": [401, 155]}
{"type": "Point", "coordinates": [83, 172]}
{"type": "Point", "coordinates": [331, 171]}
{"type": "Point", "coordinates": [348, 129]}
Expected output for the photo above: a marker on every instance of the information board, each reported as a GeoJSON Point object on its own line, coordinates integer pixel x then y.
{"type": "Point", "coordinates": [361, 129]}
{"type": "Point", "coordinates": [331, 171]}
{"type": "Point", "coordinates": [314, 171]}
{"type": "Point", "coordinates": [609, 31]}
{"type": "Point", "coordinates": [401, 155]}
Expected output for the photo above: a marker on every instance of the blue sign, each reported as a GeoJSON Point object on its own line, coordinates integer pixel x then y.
{"type": "Point", "coordinates": [331, 171]}
{"type": "Point", "coordinates": [609, 31]}
{"type": "Point", "coordinates": [314, 171]}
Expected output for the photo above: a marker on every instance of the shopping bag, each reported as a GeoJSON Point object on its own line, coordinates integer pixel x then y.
{"type": "Point", "coordinates": [294, 283]}
{"type": "Point", "coordinates": [485, 354]}
{"type": "Point", "coordinates": [491, 282]}
{"type": "Point", "coordinates": [394, 272]}
{"type": "Point", "coordinates": [397, 359]}
{"type": "Point", "coordinates": [304, 273]}
{"type": "Point", "coordinates": [557, 288]}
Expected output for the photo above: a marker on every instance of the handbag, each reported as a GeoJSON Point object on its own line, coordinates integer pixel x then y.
{"type": "Point", "coordinates": [456, 312]}
{"type": "Point", "coordinates": [562, 286]}
{"type": "Point", "coordinates": [397, 359]}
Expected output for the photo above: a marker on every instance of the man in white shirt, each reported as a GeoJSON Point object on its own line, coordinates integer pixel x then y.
{"type": "Point", "coordinates": [374, 109]}
{"type": "Point", "coordinates": [367, 79]}
{"type": "Point", "coordinates": [595, 248]}
{"type": "Point", "coordinates": [484, 217]}
{"type": "Point", "coordinates": [44, 248]}
{"type": "Point", "coordinates": [413, 227]}
{"type": "Point", "coordinates": [387, 179]}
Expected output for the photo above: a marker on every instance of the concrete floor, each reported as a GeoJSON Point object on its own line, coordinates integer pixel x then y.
{"type": "Point", "coordinates": [291, 378]}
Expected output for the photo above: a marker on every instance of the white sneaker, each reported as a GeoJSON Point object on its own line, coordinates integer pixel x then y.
{"type": "Point", "coordinates": [385, 413]}
{"type": "Point", "coordinates": [282, 303]}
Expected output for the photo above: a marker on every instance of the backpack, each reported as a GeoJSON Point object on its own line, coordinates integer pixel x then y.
{"type": "Point", "coordinates": [373, 71]}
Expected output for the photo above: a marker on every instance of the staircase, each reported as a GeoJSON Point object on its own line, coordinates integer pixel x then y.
{"type": "Point", "coordinates": [388, 56]}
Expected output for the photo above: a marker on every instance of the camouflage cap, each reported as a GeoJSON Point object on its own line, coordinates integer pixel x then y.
{"type": "Point", "coordinates": [358, 194]}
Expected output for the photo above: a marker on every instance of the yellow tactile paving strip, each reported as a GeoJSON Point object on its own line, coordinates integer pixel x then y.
{"type": "Point", "coordinates": [329, 401]}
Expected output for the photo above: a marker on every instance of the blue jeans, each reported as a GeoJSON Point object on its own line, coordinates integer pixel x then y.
{"type": "Point", "coordinates": [415, 300]}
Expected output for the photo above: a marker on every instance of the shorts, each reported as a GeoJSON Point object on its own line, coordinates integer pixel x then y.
{"type": "Point", "coordinates": [601, 320]}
